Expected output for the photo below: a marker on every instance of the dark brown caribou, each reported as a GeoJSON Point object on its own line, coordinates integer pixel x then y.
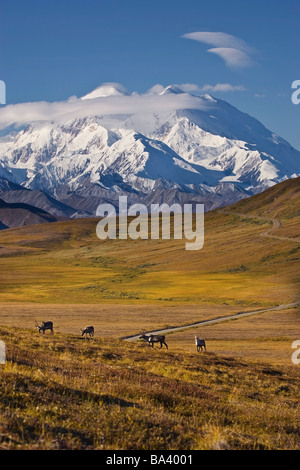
{"type": "Point", "coordinates": [46, 325]}
{"type": "Point", "coordinates": [88, 330]}
{"type": "Point", "coordinates": [151, 339]}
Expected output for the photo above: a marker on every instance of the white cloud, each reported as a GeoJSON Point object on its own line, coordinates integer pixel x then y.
{"type": "Point", "coordinates": [189, 87]}
{"type": "Point", "coordinates": [186, 96]}
{"type": "Point", "coordinates": [183, 87]}
{"type": "Point", "coordinates": [218, 39]}
{"type": "Point", "coordinates": [222, 87]}
{"type": "Point", "coordinates": [23, 113]}
{"type": "Point", "coordinates": [234, 51]}
{"type": "Point", "coordinates": [156, 89]}
{"type": "Point", "coordinates": [232, 57]}
{"type": "Point", "coordinates": [195, 89]}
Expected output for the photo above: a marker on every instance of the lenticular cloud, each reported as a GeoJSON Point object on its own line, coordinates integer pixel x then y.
{"type": "Point", "coordinates": [234, 51]}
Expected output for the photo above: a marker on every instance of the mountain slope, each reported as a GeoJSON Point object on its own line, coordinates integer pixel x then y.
{"type": "Point", "coordinates": [19, 215]}
{"type": "Point", "coordinates": [140, 143]}
{"type": "Point", "coordinates": [38, 199]}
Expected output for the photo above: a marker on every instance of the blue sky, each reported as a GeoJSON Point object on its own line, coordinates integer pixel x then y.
{"type": "Point", "coordinates": [51, 50]}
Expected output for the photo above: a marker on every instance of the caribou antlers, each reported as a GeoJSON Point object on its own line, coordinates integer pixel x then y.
{"type": "Point", "coordinates": [151, 339]}
{"type": "Point", "coordinates": [46, 325]}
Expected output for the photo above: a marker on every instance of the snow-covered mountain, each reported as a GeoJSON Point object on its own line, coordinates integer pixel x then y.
{"type": "Point", "coordinates": [144, 145]}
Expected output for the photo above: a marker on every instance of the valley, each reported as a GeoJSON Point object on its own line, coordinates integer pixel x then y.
{"type": "Point", "coordinates": [240, 292]}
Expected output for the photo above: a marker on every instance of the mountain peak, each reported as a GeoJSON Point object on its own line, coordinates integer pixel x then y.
{"type": "Point", "coordinates": [105, 90]}
{"type": "Point", "coordinates": [181, 140]}
{"type": "Point", "coordinates": [209, 98]}
{"type": "Point", "coordinates": [172, 90]}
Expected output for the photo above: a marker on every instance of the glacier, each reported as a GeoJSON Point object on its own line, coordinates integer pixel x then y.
{"type": "Point", "coordinates": [154, 146]}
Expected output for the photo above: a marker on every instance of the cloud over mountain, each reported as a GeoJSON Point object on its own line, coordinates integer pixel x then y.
{"type": "Point", "coordinates": [165, 138]}
{"type": "Point", "coordinates": [96, 103]}
{"type": "Point", "coordinates": [234, 51]}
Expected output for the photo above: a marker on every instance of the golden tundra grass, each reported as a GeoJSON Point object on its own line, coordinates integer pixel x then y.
{"type": "Point", "coordinates": [65, 263]}
{"type": "Point", "coordinates": [62, 392]}
{"type": "Point", "coordinates": [113, 320]}
{"type": "Point", "coordinates": [264, 337]}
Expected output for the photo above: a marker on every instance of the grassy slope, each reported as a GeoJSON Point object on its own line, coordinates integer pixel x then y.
{"type": "Point", "coordinates": [280, 201]}
{"type": "Point", "coordinates": [61, 392]}
{"type": "Point", "coordinates": [263, 337]}
{"type": "Point", "coordinates": [56, 263]}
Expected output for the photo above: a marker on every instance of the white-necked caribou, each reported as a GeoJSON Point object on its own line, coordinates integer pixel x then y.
{"type": "Point", "coordinates": [200, 343]}
{"type": "Point", "coordinates": [151, 339]}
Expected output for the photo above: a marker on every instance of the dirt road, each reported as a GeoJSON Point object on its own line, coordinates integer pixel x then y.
{"type": "Point", "coordinates": [212, 321]}
{"type": "Point", "coordinates": [268, 233]}
{"type": "Point", "coordinates": [276, 225]}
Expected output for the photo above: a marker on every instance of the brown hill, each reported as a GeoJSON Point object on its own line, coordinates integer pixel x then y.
{"type": "Point", "coordinates": [279, 201]}
{"type": "Point", "coordinates": [18, 215]}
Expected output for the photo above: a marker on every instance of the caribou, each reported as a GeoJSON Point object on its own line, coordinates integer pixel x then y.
{"type": "Point", "coordinates": [46, 325]}
{"type": "Point", "coordinates": [88, 330]}
{"type": "Point", "coordinates": [151, 339]}
{"type": "Point", "coordinates": [200, 343]}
